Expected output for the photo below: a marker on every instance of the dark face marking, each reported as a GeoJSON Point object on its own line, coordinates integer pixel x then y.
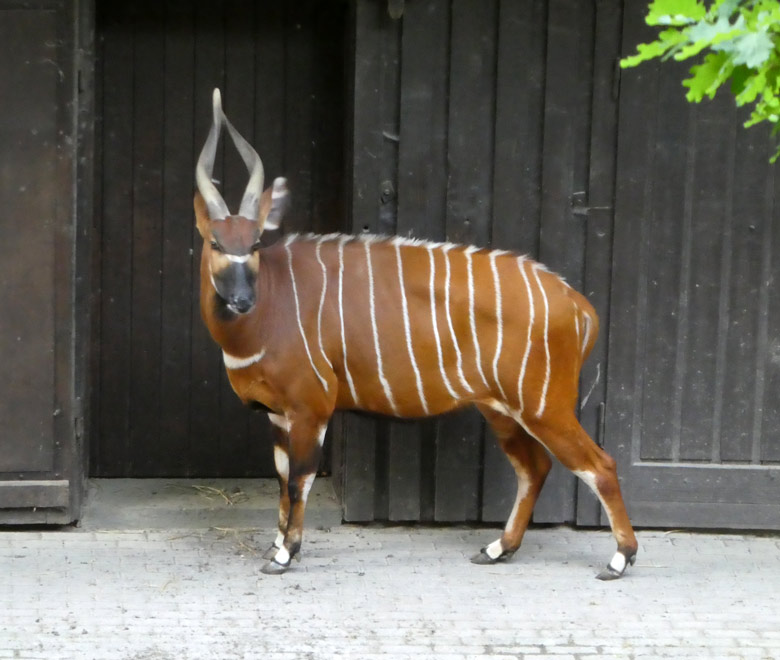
{"type": "Point", "coordinates": [235, 284]}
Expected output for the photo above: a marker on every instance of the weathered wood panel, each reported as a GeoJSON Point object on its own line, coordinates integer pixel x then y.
{"type": "Point", "coordinates": [40, 406]}
{"type": "Point", "coordinates": [693, 326]}
{"type": "Point", "coordinates": [28, 134]}
{"type": "Point", "coordinates": [163, 406]}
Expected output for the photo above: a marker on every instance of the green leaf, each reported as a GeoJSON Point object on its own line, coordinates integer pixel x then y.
{"type": "Point", "coordinates": [754, 85]}
{"type": "Point", "coordinates": [707, 77]}
{"type": "Point", "coordinates": [752, 49]}
{"type": "Point", "coordinates": [675, 12]}
{"type": "Point", "coordinates": [739, 77]}
{"type": "Point", "coordinates": [668, 41]}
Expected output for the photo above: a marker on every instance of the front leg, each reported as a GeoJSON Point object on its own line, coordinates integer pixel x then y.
{"type": "Point", "coordinates": [298, 468]}
{"type": "Point", "coordinates": [282, 463]}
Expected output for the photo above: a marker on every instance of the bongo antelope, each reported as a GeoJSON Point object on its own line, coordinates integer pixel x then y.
{"type": "Point", "coordinates": [399, 327]}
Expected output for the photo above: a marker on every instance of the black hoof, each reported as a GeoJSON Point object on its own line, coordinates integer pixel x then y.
{"type": "Point", "coordinates": [275, 568]}
{"type": "Point", "coordinates": [615, 572]}
{"type": "Point", "coordinates": [609, 573]}
{"type": "Point", "coordinates": [271, 552]}
{"type": "Point", "coordinates": [482, 558]}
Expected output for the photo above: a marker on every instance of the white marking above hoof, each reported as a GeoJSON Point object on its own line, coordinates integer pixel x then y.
{"type": "Point", "coordinates": [494, 550]}
{"type": "Point", "coordinates": [618, 562]}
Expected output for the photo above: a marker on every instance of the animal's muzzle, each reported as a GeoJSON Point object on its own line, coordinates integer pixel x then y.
{"type": "Point", "coordinates": [241, 304]}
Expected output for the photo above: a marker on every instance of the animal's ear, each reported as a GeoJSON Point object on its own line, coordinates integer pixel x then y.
{"type": "Point", "coordinates": [274, 203]}
{"type": "Point", "coordinates": [202, 220]}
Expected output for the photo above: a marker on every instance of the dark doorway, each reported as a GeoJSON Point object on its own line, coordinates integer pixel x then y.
{"type": "Point", "coordinates": [162, 405]}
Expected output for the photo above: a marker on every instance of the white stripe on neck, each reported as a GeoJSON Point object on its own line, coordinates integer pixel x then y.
{"type": "Point", "coordinates": [232, 362]}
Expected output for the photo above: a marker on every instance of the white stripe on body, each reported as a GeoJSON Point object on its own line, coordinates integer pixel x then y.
{"type": "Point", "coordinates": [472, 321]}
{"type": "Point", "coordinates": [499, 319]}
{"type": "Point", "coordinates": [232, 362]}
{"type": "Point", "coordinates": [407, 329]}
{"type": "Point", "coordinates": [587, 323]}
{"type": "Point", "coordinates": [322, 298]}
{"type": "Point", "coordinates": [531, 315]}
{"type": "Point", "coordinates": [380, 369]}
{"type": "Point", "coordinates": [445, 250]}
{"type": "Point", "coordinates": [543, 398]}
{"type": "Point", "coordinates": [431, 287]}
{"type": "Point", "coordinates": [577, 322]}
{"type": "Point", "coordinates": [298, 314]}
{"type": "Point", "coordinates": [348, 375]}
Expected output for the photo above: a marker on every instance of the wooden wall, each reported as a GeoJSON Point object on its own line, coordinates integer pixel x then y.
{"type": "Point", "coordinates": [162, 402]}
{"type": "Point", "coordinates": [692, 414]}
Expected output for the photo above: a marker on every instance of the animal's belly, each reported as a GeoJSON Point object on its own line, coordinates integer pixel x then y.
{"type": "Point", "coordinates": [401, 405]}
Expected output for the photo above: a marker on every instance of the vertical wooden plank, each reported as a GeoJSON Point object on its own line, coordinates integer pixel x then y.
{"type": "Point", "coordinates": [31, 186]}
{"type": "Point", "coordinates": [748, 215]}
{"type": "Point", "coordinates": [207, 365]}
{"type": "Point", "coordinates": [110, 457]}
{"type": "Point", "coordinates": [628, 300]}
{"type": "Point", "coordinates": [517, 181]}
{"type": "Point", "coordinates": [565, 149]}
{"type": "Point", "coordinates": [86, 282]}
{"type": "Point", "coordinates": [422, 189]}
{"type": "Point", "coordinates": [711, 188]}
{"type": "Point", "coordinates": [270, 112]}
{"type": "Point", "coordinates": [94, 446]}
{"type": "Point", "coordinates": [146, 237]}
{"type": "Point", "coordinates": [328, 131]}
{"type": "Point", "coordinates": [766, 447]}
{"type": "Point", "coordinates": [177, 235]}
{"type": "Point", "coordinates": [668, 215]}
{"type": "Point", "coordinates": [359, 432]}
{"type": "Point", "coordinates": [470, 146]}
{"type": "Point", "coordinates": [568, 90]}
{"type": "Point", "coordinates": [599, 234]}
{"type": "Point", "coordinates": [299, 120]}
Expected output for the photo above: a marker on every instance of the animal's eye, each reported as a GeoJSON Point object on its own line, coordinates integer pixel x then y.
{"type": "Point", "coordinates": [215, 246]}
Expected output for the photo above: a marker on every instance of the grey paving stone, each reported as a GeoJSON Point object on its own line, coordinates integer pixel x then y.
{"type": "Point", "coordinates": [179, 588]}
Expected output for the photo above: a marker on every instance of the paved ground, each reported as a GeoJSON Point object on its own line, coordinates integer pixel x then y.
{"type": "Point", "coordinates": [124, 587]}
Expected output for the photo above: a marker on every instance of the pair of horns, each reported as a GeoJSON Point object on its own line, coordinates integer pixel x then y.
{"type": "Point", "coordinates": [250, 202]}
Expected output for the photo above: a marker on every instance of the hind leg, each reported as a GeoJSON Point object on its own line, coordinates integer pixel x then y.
{"type": "Point", "coordinates": [531, 464]}
{"type": "Point", "coordinates": [562, 434]}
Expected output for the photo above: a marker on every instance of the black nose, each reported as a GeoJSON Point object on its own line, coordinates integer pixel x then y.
{"type": "Point", "coordinates": [241, 304]}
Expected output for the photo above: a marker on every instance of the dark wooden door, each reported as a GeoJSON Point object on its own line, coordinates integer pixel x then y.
{"type": "Point", "coordinates": [40, 412]}
{"type": "Point", "coordinates": [692, 405]}
{"type": "Point", "coordinates": [162, 405]}
{"type": "Point", "coordinates": [485, 122]}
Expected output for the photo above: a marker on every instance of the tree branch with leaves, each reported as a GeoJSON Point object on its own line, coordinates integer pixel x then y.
{"type": "Point", "coordinates": [740, 40]}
